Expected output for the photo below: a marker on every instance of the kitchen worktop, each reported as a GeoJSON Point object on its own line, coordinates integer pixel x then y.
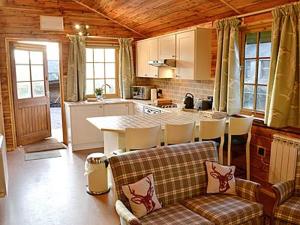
{"type": "Point", "coordinates": [100, 102]}
{"type": "Point", "coordinates": [120, 123]}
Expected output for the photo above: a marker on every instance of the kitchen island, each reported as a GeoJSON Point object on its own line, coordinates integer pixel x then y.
{"type": "Point", "coordinates": [113, 127]}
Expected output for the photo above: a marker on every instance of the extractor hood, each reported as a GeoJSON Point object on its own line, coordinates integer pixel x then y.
{"type": "Point", "coordinates": [163, 62]}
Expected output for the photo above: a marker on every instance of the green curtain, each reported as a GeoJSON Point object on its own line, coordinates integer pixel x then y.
{"type": "Point", "coordinates": [283, 96]}
{"type": "Point", "coordinates": [126, 69]}
{"type": "Point", "coordinates": [76, 69]}
{"type": "Point", "coordinates": [227, 78]}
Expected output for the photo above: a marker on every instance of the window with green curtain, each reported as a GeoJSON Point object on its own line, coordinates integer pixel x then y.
{"type": "Point", "coordinates": [101, 70]}
{"type": "Point", "coordinates": [255, 73]}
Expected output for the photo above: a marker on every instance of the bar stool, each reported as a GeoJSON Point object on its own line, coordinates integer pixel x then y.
{"type": "Point", "coordinates": [179, 133]}
{"type": "Point", "coordinates": [240, 126]}
{"type": "Point", "coordinates": [212, 129]}
{"type": "Point", "coordinates": [142, 138]}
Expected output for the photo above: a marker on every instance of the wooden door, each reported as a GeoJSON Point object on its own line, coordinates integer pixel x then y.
{"type": "Point", "coordinates": [31, 92]}
{"type": "Point", "coordinates": [185, 55]}
{"type": "Point", "coordinates": [166, 47]}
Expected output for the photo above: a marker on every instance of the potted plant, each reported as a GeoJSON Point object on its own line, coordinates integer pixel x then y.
{"type": "Point", "coordinates": [99, 93]}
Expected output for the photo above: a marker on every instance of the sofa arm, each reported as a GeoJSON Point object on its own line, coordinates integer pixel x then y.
{"type": "Point", "coordinates": [247, 189]}
{"type": "Point", "coordinates": [126, 215]}
{"type": "Point", "coordinates": [283, 190]}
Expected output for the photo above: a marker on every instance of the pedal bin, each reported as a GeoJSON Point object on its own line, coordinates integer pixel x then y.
{"type": "Point", "coordinates": [96, 172]}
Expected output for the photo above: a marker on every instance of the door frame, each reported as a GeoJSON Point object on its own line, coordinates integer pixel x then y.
{"type": "Point", "coordinates": [8, 44]}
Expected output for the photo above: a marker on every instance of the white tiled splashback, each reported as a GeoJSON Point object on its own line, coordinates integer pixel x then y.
{"type": "Point", "coordinates": [176, 89]}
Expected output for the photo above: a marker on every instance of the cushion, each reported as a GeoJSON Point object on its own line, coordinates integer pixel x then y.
{"type": "Point", "coordinates": [175, 214]}
{"type": "Point", "coordinates": [220, 178]}
{"type": "Point", "coordinates": [289, 210]}
{"type": "Point", "coordinates": [224, 209]}
{"type": "Point", "coordinates": [141, 196]}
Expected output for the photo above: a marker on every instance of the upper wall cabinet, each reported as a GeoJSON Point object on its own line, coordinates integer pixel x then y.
{"type": "Point", "coordinates": [146, 50]}
{"type": "Point", "coordinates": [191, 49]}
{"type": "Point", "coordinates": [193, 55]}
{"type": "Point", "coordinates": [167, 47]}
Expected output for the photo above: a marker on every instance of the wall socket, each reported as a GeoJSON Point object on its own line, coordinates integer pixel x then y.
{"type": "Point", "coordinates": [261, 151]}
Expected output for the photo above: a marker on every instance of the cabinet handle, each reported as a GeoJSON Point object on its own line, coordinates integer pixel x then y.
{"type": "Point", "coordinates": [177, 75]}
{"type": "Point", "coordinates": [173, 56]}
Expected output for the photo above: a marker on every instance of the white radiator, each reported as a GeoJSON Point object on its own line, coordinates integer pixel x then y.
{"type": "Point", "coordinates": [284, 151]}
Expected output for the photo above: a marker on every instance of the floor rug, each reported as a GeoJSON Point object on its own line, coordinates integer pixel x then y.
{"type": "Point", "coordinates": [44, 145]}
{"type": "Point", "coordinates": [42, 155]}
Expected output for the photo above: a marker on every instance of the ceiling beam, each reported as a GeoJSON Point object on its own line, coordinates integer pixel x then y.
{"type": "Point", "coordinates": [230, 6]}
{"type": "Point", "coordinates": [107, 17]}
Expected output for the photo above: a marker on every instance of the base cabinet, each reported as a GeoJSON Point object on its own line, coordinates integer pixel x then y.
{"type": "Point", "coordinates": [81, 133]}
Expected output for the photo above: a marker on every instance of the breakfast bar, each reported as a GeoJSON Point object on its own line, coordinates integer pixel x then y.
{"type": "Point", "coordinates": [113, 127]}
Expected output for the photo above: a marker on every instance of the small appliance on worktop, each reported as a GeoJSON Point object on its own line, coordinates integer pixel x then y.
{"type": "Point", "coordinates": [141, 92]}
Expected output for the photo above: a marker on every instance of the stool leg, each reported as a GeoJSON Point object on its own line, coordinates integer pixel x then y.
{"type": "Point", "coordinates": [229, 151]}
{"type": "Point", "coordinates": [248, 155]}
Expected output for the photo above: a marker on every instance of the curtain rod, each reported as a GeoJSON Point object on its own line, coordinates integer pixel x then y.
{"type": "Point", "coordinates": [100, 37]}
{"type": "Point", "coordinates": [264, 10]}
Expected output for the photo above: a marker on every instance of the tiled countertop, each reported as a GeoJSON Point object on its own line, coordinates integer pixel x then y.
{"type": "Point", "coordinates": [120, 123]}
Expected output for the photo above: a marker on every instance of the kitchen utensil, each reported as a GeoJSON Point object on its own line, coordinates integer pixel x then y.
{"type": "Point", "coordinates": [189, 101]}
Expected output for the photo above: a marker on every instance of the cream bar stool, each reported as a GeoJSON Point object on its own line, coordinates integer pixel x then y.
{"type": "Point", "coordinates": [212, 129]}
{"type": "Point", "coordinates": [179, 133]}
{"type": "Point", "coordinates": [142, 138]}
{"type": "Point", "coordinates": [240, 126]}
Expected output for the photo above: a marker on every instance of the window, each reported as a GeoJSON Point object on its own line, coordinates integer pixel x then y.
{"type": "Point", "coordinates": [29, 68]}
{"type": "Point", "coordinates": [101, 70]}
{"type": "Point", "coordinates": [256, 66]}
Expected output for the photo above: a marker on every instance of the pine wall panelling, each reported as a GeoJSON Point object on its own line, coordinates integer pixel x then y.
{"type": "Point", "coordinates": [21, 20]}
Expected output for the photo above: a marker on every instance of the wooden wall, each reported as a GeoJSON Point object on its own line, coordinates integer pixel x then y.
{"type": "Point", "coordinates": [20, 19]}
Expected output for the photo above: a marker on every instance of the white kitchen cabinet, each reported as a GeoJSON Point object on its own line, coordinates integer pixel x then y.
{"type": "Point", "coordinates": [118, 109]}
{"type": "Point", "coordinates": [141, 59]}
{"type": "Point", "coordinates": [146, 50]}
{"type": "Point", "coordinates": [167, 47]}
{"type": "Point", "coordinates": [193, 54]}
{"type": "Point", "coordinates": [81, 133]}
{"type": "Point", "coordinates": [152, 55]}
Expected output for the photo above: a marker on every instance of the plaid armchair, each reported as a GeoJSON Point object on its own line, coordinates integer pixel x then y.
{"type": "Point", "coordinates": [287, 206]}
{"type": "Point", "coordinates": [180, 184]}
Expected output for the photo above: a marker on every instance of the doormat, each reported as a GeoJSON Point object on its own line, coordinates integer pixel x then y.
{"type": "Point", "coordinates": [42, 155]}
{"type": "Point", "coordinates": [44, 145]}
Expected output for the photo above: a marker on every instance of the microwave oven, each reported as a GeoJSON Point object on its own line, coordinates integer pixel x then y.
{"type": "Point", "coordinates": [141, 92]}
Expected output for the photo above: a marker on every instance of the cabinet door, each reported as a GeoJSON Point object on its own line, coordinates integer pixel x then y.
{"type": "Point", "coordinates": [185, 55]}
{"type": "Point", "coordinates": [142, 58]}
{"type": "Point", "coordinates": [83, 132]}
{"type": "Point", "coordinates": [166, 47]}
{"type": "Point", "coordinates": [116, 109]}
{"type": "Point", "coordinates": [152, 46]}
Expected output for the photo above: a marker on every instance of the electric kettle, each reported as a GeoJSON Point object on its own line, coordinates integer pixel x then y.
{"type": "Point", "coordinates": [188, 101]}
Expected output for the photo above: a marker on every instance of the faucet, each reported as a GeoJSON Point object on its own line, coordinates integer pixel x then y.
{"type": "Point", "coordinates": [103, 86]}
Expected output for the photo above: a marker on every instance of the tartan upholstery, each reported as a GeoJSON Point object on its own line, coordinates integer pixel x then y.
{"type": "Point", "coordinates": [125, 214]}
{"type": "Point", "coordinates": [175, 214]}
{"type": "Point", "coordinates": [280, 222]}
{"type": "Point", "coordinates": [224, 209]}
{"type": "Point", "coordinates": [289, 211]}
{"type": "Point", "coordinates": [178, 170]}
{"type": "Point", "coordinates": [284, 190]}
{"type": "Point", "coordinates": [246, 189]}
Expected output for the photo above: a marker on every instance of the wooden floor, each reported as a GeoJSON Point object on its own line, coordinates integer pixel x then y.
{"type": "Point", "coordinates": [52, 192]}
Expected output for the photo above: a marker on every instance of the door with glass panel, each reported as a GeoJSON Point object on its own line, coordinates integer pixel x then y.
{"type": "Point", "coordinates": [31, 92]}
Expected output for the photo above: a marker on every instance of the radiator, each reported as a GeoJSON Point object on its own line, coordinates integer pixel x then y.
{"type": "Point", "coordinates": [284, 151]}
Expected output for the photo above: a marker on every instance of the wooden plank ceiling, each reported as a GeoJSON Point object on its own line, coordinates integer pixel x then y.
{"type": "Point", "coordinates": [153, 17]}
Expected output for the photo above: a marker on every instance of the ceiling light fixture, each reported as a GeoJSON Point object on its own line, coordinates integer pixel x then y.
{"type": "Point", "coordinates": [82, 29]}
